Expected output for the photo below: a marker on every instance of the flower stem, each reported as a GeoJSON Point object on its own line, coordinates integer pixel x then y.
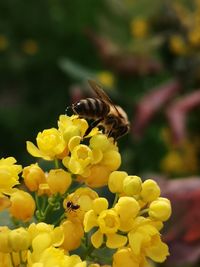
{"type": "Point", "coordinates": [142, 212]}
{"type": "Point", "coordinates": [115, 199]}
{"type": "Point", "coordinates": [56, 162]}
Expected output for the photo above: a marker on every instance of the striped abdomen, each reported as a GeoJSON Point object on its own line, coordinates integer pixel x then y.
{"type": "Point", "coordinates": [91, 108]}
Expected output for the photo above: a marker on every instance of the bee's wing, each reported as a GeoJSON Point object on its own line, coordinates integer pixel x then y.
{"type": "Point", "coordinates": [102, 95]}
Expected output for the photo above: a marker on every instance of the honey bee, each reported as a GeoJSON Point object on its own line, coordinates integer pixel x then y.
{"type": "Point", "coordinates": [113, 119]}
{"type": "Point", "coordinates": [72, 207]}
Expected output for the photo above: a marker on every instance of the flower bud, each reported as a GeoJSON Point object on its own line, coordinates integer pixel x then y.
{"type": "Point", "coordinates": [33, 176]}
{"type": "Point", "coordinates": [115, 182]}
{"type": "Point", "coordinates": [99, 141]}
{"type": "Point", "coordinates": [19, 239]}
{"type": "Point", "coordinates": [150, 190]}
{"type": "Point", "coordinates": [112, 160]}
{"type": "Point", "coordinates": [127, 207]}
{"type": "Point", "coordinates": [22, 205]}
{"type": "Point", "coordinates": [160, 209]}
{"type": "Point", "coordinates": [132, 185]}
{"type": "Point", "coordinates": [4, 244]}
{"type": "Point", "coordinates": [59, 181]}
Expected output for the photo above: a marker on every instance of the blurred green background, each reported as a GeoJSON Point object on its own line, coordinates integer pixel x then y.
{"type": "Point", "coordinates": [49, 49]}
{"type": "Point", "coordinates": [145, 54]}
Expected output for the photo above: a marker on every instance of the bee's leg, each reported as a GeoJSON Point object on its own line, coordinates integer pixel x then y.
{"type": "Point", "coordinates": [92, 125]}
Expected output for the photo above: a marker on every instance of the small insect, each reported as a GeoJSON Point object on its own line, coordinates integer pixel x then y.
{"type": "Point", "coordinates": [71, 206]}
{"type": "Point", "coordinates": [113, 119]}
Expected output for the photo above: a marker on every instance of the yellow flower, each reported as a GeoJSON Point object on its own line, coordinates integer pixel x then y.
{"type": "Point", "coordinates": [59, 181]}
{"type": "Point", "coordinates": [139, 28]}
{"type": "Point", "coordinates": [81, 158]}
{"type": "Point", "coordinates": [150, 190]}
{"type": "Point", "coordinates": [22, 205]}
{"type": "Point", "coordinates": [124, 257]}
{"type": "Point", "coordinates": [43, 231]}
{"type": "Point", "coordinates": [83, 197]}
{"type": "Point", "coordinates": [108, 222]}
{"type": "Point", "coordinates": [3, 42]}
{"type": "Point", "coordinates": [178, 45]}
{"type": "Point", "coordinates": [72, 126]}
{"type": "Point", "coordinates": [30, 47]}
{"type": "Point", "coordinates": [145, 240]}
{"type": "Point", "coordinates": [50, 144]}
{"type": "Point", "coordinates": [127, 215]}
{"type": "Point", "coordinates": [97, 177]}
{"type": "Point", "coordinates": [52, 257]}
{"type": "Point", "coordinates": [5, 246]}
{"type": "Point", "coordinates": [115, 182]}
{"type": "Point", "coordinates": [33, 176]}
{"type": "Point", "coordinates": [73, 233]}
{"type": "Point", "coordinates": [132, 185]}
{"type": "Point", "coordinates": [9, 172]}
{"type": "Point", "coordinates": [106, 78]}
{"type": "Point", "coordinates": [19, 239]}
{"type": "Point", "coordinates": [160, 209]}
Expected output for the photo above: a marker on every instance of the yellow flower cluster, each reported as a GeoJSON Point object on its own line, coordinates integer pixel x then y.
{"type": "Point", "coordinates": [69, 214]}
{"type": "Point", "coordinates": [187, 42]}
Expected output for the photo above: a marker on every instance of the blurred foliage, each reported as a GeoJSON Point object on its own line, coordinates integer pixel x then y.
{"type": "Point", "coordinates": [45, 50]}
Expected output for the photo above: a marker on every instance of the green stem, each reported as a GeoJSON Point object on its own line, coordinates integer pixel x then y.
{"type": "Point", "coordinates": [37, 201]}
{"type": "Point", "coordinates": [142, 212]}
{"type": "Point", "coordinates": [115, 199]}
{"type": "Point", "coordinates": [57, 222]}
{"type": "Point", "coordinates": [56, 162]}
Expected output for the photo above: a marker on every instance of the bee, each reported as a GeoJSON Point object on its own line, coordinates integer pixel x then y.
{"type": "Point", "coordinates": [113, 119]}
{"type": "Point", "coordinates": [72, 207]}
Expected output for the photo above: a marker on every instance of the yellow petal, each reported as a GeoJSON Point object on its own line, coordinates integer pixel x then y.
{"type": "Point", "coordinates": [90, 220]}
{"type": "Point", "coordinates": [35, 152]}
{"type": "Point", "coordinates": [99, 204]}
{"type": "Point", "coordinates": [73, 142]}
{"type": "Point", "coordinates": [97, 239]}
{"type": "Point", "coordinates": [115, 240]}
{"type": "Point", "coordinates": [135, 241]}
{"type": "Point", "coordinates": [97, 155]}
{"type": "Point", "coordinates": [159, 252]}
{"type": "Point", "coordinates": [57, 236]}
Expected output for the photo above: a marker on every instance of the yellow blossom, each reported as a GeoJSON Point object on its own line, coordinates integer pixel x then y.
{"type": "Point", "coordinates": [125, 257]}
{"type": "Point", "coordinates": [19, 239]}
{"type": "Point", "coordinates": [5, 246]}
{"type": "Point", "coordinates": [72, 126]}
{"type": "Point", "coordinates": [178, 45]}
{"type": "Point", "coordinates": [106, 78]}
{"type": "Point", "coordinates": [108, 222]}
{"type": "Point", "coordinates": [160, 209]}
{"type": "Point", "coordinates": [22, 205]}
{"type": "Point", "coordinates": [83, 197]}
{"type": "Point", "coordinates": [97, 177]}
{"type": "Point", "coordinates": [139, 28]}
{"type": "Point", "coordinates": [81, 157]}
{"type": "Point", "coordinates": [132, 185]}
{"type": "Point", "coordinates": [30, 47]}
{"type": "Point", "coordinates": [59, 181]}
{"type": "Point", "coordinates": [73, 233]}
{"type": "Point", "coordinates": [53, 235]}
{"type": "Point", "coordinates": [52, 257]}
{"type": "Point", "coordinates": [150, 190]}
{"type": "Point", "coordinates": [33, 176]}
{"type": "Point", "coordinates": [127, 215]}
{"type": "Point", "coordinates": [50, 144]}
{"type": "Point", "coordinates": [3, 42]}
{"type": "Point", "coordinates": [9, 172]}
{"type": "Point", "coordinates": [145, 239]}
{"type": "Point", "coordinates": [115, 182]}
